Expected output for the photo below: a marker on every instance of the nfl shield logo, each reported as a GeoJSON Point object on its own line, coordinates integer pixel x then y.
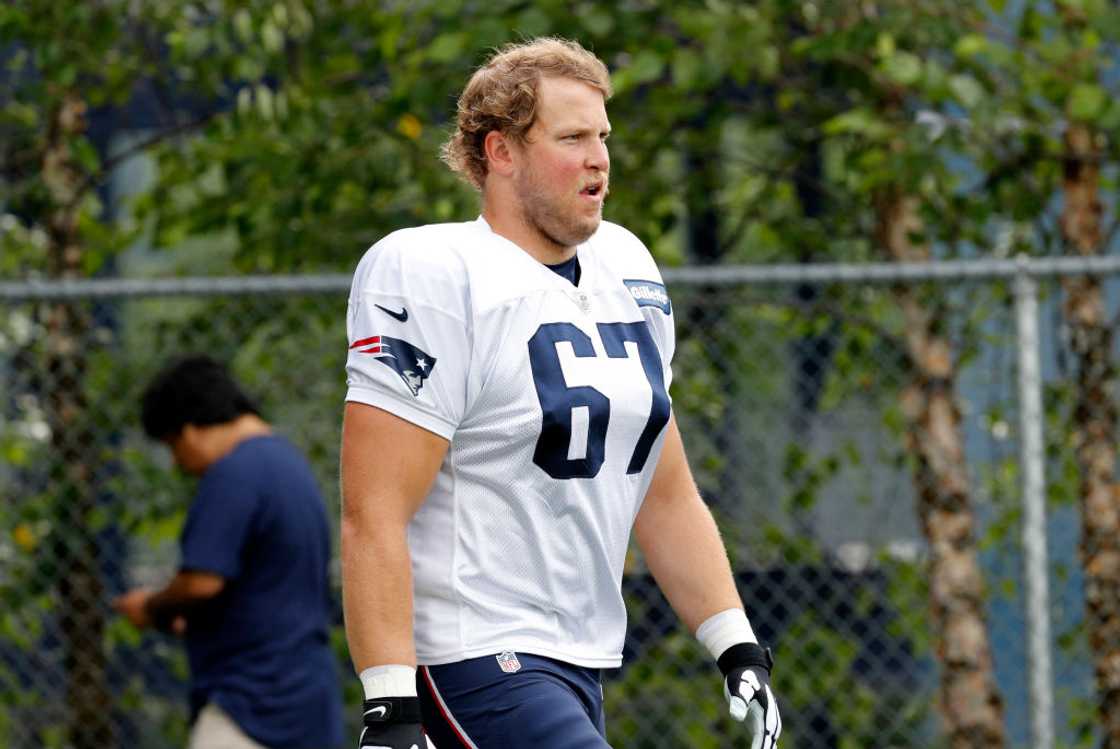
{"type": "Point", "coordinates": [507, 659]}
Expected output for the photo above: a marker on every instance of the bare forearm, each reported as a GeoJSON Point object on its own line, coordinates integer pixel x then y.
{"type": "Point", "coordinates": [686, 556]}
{"type": "Point", "coordinates": [187, 592]}
{"type": "Point", "coordinates": [165, 605]}
{"type": "Point", "coordinates": [379, 498]}
{"type": "Point", "coordinates": [377, 596]}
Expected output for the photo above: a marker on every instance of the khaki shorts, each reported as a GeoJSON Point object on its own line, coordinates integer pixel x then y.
{"type": "Point", "coordinates": [214, 729]}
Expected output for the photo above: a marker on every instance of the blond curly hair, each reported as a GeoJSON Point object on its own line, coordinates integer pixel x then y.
{"type": "Point", "coordinates": [502, 96]}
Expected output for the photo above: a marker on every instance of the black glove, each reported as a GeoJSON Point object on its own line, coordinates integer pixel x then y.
{"type": "Point", "coordinates": [746, 685]}
{"type": "Point", "coordinates": [392, 723]}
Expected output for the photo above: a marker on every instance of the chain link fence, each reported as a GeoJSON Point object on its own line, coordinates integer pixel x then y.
{"type": "Point", "coordinates": [795, 391]}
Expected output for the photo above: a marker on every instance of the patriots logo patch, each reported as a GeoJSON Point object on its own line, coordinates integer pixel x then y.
{"type": "Point", "coordinates": [413, 365]}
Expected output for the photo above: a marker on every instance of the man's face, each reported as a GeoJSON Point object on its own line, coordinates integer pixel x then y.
{"type": "Point", "coordinates": [187, 451]}
{"type": "Point", "coordinates": [564, 165]}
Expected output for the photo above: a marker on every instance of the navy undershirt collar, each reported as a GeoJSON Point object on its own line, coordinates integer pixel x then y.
{"type": "Point", "coordinates": [568, 269]}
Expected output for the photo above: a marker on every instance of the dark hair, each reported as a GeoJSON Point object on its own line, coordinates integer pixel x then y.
{"type": "Point", "coordinates": [195, 389]}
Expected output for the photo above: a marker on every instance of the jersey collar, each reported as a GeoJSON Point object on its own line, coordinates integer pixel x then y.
{"type": "Point", "coordinates": [583, 251]}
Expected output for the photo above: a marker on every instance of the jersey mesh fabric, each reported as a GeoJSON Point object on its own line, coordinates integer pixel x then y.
{"type": "Point", "coordinates": [521, 542]}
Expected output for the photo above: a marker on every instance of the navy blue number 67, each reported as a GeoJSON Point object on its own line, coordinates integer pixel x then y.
{"type": "Point", "coordinates": [558, 400]}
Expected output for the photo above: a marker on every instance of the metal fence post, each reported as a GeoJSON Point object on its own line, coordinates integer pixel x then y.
{"type": "Point", "coordinates": [1031, 454]}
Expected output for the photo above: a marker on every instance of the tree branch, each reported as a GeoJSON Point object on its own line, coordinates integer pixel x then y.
{"type": "Point", "coordinates": [116, 159]}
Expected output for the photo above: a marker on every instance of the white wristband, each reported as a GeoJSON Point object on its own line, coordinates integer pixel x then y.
{"type": "Point", "coordinates": [388, 681]}
{"type": "Point", "coordinates": [721, 631]}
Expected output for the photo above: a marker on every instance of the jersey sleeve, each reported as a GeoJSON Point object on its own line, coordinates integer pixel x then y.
{"type": "Point", "coordinates": [643, 280]}
{"type": "Point", "coordinates": [408, 332]}
{"type": "Point", "coordinates": [661, 321]}
{"type": "Point", "coordinates": [219, 524]}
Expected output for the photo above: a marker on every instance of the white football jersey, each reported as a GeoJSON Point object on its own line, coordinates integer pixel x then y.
{"type": "Point", "coordinates": [554, 398]}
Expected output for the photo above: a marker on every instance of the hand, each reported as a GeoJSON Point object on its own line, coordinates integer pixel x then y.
{"type": "Point", "coordinates": [746, 670]}
{"type": "Point", "coordinates": [392, 723]}
{"type": "Point", "coordinates": [133, 605]}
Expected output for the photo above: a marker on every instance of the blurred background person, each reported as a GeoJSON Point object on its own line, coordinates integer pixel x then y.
{"type": "Point", "coordinates": [251, 597]}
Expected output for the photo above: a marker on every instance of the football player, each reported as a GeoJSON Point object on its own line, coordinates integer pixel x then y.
{"type": "Point", "coordinates": [508, 425]}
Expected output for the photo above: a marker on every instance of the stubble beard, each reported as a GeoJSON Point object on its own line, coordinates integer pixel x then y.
{"type": "Point", "coordinates": [547, 215]}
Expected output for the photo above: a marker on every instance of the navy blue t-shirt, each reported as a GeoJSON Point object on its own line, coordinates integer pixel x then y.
{"type": "Point", "coordinates": [260, 649]}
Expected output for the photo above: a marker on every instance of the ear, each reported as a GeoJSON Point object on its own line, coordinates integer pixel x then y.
{"type": "Point", "coordinates": [500, 153]}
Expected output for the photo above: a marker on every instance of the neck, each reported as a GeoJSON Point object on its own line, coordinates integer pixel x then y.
{"type": "Point", "coordinates": [221, 439]}
{"type": "Point", "coordinates": [509, 223]}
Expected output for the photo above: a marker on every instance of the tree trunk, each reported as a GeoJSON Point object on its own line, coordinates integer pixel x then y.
{"type": "Point", "coordinates": [80, 590]}
{"type": "Point", "coordinates": [1094, 425]}
{"type": "Point", "coordinates": [705, 247]}
{"type": "Point", "coordinates": [970, 702]}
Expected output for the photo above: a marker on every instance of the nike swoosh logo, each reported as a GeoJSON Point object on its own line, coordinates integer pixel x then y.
{"type": "Point", "coordinates": [402, 315]}
{"type": "Point", "coordinates": [379, 711]}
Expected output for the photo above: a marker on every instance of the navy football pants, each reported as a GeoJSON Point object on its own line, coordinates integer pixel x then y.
{"type": "Point", "coordinates": [544, 704]}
